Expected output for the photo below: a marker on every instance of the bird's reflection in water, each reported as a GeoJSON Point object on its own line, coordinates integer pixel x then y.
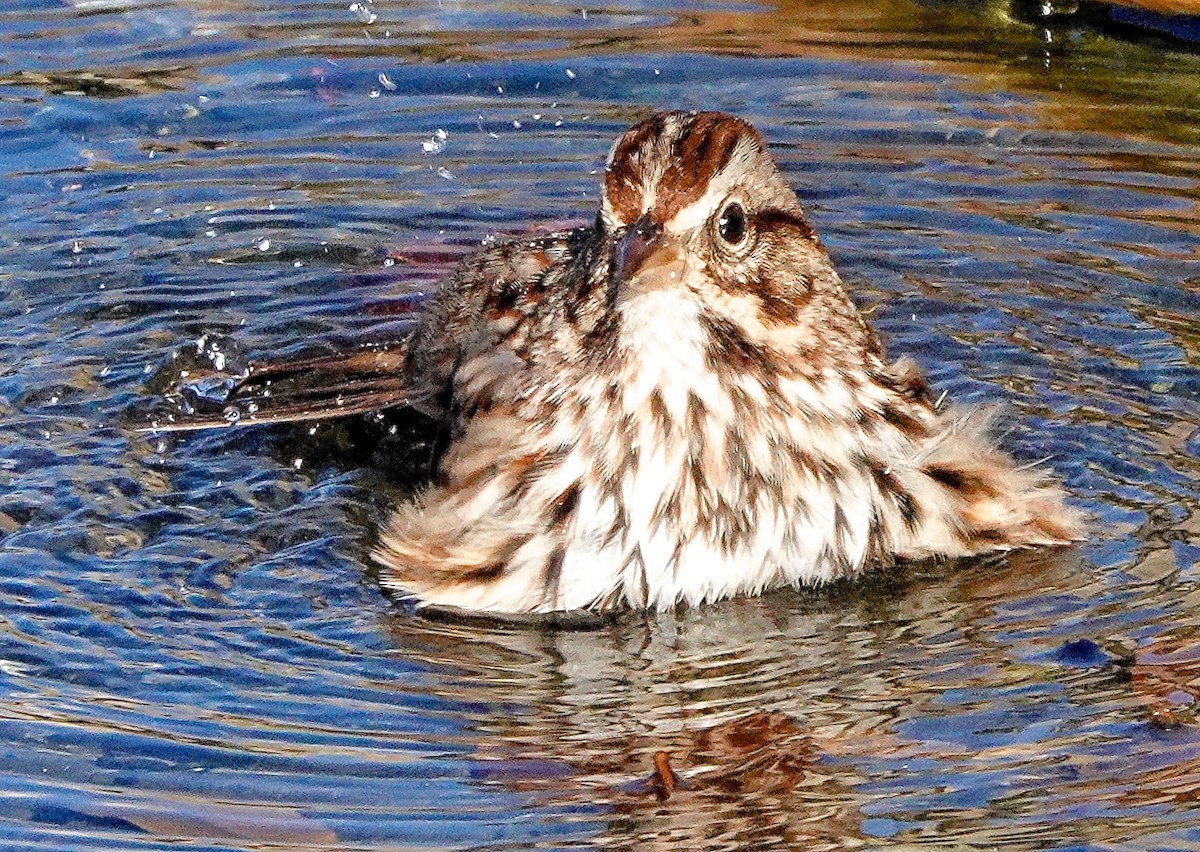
{"type": "Point", "coordinates": [737, 725]}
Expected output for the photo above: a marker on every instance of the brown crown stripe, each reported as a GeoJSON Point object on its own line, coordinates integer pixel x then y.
{"type": "Point", "coordinates": [622, 179]}
{"type": "Point", "coordinates": [702, 149]}
{"type": "Point", "coordinates": [699, 148]}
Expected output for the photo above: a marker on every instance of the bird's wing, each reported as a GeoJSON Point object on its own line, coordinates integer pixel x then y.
{"type": "Point", "coordinates": [412, 373]}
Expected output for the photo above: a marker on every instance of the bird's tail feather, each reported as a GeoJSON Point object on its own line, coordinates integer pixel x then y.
{"type": "Point", "coordinates": [306, 388]}
{"type": "Point", "coordinates": [999, 503]}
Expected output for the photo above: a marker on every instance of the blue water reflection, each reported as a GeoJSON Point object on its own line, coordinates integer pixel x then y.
{"type": "Point", "coordinates": [194, 652]}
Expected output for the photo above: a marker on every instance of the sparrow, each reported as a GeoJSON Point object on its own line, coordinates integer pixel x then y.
{"type": "Point", "coordinates": [675, 404]}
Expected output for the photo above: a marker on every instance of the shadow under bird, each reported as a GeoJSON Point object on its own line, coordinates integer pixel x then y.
{"type": "Point", "coordinates": [675, 404]}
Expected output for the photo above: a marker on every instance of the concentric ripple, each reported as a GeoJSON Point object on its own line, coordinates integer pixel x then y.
{"type": "Point", "coordinates": [194, 653]}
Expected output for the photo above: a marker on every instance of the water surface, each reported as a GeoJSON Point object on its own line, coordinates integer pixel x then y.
{"type": "Point", "coordinates": [194, 653]}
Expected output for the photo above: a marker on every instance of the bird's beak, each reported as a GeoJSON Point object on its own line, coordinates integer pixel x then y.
{"type": "Point", "coordinates": [640, 240]}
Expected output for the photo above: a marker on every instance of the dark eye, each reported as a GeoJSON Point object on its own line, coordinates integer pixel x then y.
{"type": "Point", "coordinates": [732, 224]}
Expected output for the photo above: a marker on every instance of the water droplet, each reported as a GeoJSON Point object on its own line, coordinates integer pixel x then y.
{"type": "Point", "coordinates": [436, 143]}
{"type": "Point", "coordinates": [363, 12]}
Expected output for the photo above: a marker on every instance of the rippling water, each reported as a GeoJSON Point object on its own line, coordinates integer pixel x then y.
{"type": "Point", "coordinates": [193, 650]}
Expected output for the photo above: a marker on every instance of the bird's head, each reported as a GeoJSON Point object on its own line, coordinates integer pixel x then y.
{"type": "Point", "coordinates": [694, 205]}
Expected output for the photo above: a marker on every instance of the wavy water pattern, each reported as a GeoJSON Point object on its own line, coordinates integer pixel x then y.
{"type": "Point", "coordinates": [194, 652]}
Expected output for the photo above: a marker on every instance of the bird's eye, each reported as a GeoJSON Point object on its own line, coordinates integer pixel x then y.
{"type": "Point", "coordinates": [732, 224]}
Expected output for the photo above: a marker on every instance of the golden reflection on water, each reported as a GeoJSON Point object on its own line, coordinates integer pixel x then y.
{"type": "Point", "coordinates": [1085, 81]}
